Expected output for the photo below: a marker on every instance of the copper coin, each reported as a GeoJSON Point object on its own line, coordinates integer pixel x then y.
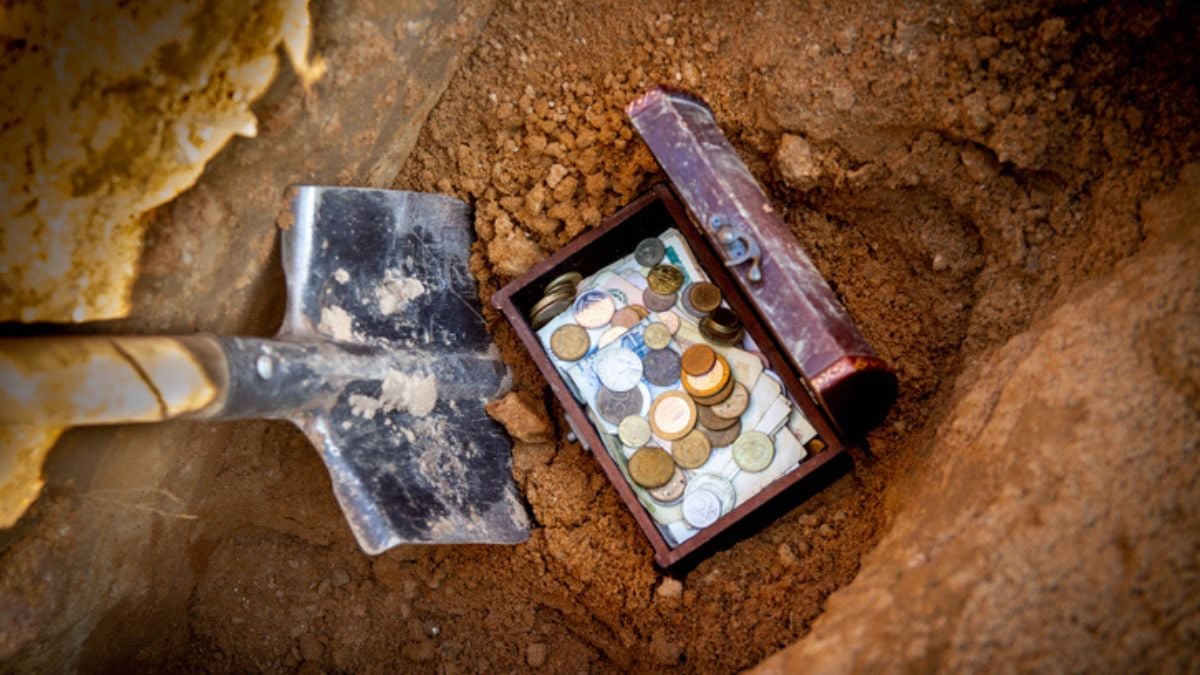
{"type": "Point", "coordinates": [642, 312]}
{"type": "Point", "coordinates": [664, 279]}
{"type": "Point", "coordinates": [615, 406]}
{"type": "Point", "coordinates": [721, 394]}
{"type": "Point", "coordinates": [699, 359]}
{"type": "Point", "coordinates": [713, 421]}
{"type": "Point", "coordinates": [692, 451]}
{"type": "Point", "coordinates": [626, 317]}
{"type": "Point", "coordinates": [735, 405]}
{"type": "Point", "coordinates": [711, 383]}
{"type": "Point", "coordinates": [720, 337]}
{"type": "Point", "coordinates": [673, 490]}
{"type": "Point", "coordinates": [570, 342]}
{"type": "Point", "coordinates": [723, 437]}
{"type": "Point", "coordinates": [657, 302]}
{"type": "Point", "coordinates": [704, 296]}
{"type": "Point", "coordinates": [651, 467]}
{"type": "Point", "coordinates": [661, 367]}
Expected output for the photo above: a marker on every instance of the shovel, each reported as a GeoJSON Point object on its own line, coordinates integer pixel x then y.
{"type": "Point", "coordinates": [383, 360]}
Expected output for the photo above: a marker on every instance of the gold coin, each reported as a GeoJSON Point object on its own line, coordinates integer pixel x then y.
{"type": "Point", "coordinates": [564, 280]}
{"type": "Point", "coordinates": [735, 405]}
{"type": "Point", "coordinates": [550, 299]}
{"type": "Point", "coordinates": [698, 359]}
{"type": "Point", "coordinates": [704, 296]}
{"type": "Point", "coordinates": [657, 336]}
{"type": "Point", "coordinates": [634, 431]}
{"type": "Point", "coordinates": [672, 415]}
{"type": "Point", "coordinates": [710, 383]}
{"type": "Point", "coordinates": [718, 397]}
{"type": "Point", "coordinates": [570, 342]}
{"type": "Point", "coordinates": [651, 467]}
{"type": "Point", "coordinates": [642, 311]}
{"type": "Point", "coordinates": [664, 279]}
{"type": "Point", "coordinates": [692, 451]}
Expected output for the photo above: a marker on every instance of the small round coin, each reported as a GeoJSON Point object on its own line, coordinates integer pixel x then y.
{"type": "Point", "coordinates": [701, 508]}
{"type": "Point", "coordinates": [618, 368]}
{"type": "Point", "coordinates": [626, 317]}
{"type": "Point", "coordinates": [594, 308]}
{"type": "Point", "coordinates": [564, 280]}
{"type": "Point", "coordinates": [722, 394]}
{"type": "Point", "coordinates": [672, 415]}
{"type": "Point", "coordinates": [693, 450]}
{"type": "Point", "coordinates": [753, 451]}
{"type": "Point", "coordinates": [658, 302]}
{"type": "Point", "coordinates": [673, 490]}
{"type": "Point", "coordinates": [704, 296]}
{"type": "Point", "coordinates": [615, 406]}
{"type": "Point", "coordinates": [710, 383]}
{"type": "Point", "coordinates": [661, 367]}
{"type": "Point", "coordinates": [664, 279]}
{"type": "Point", "coordinates": [634, 431]}
{"type": "Point", "coordinates": [735, 405]}
{"type": "Point", "coordinates": [651, 467]}
{"type": "Point", "coordinates": [710, 420]}
{"type": "Point", "coordinates": [570, 342]}
{"type": "Point", "coordinates": [649, 252]}
{"type": "Point", "coordinates": [642, 312]}
{"type": "Point", "coordinates": [699, 359]}
{"type": "Point", "coordinates": [717, 485]}
{"type": "Point", "coordinates": [670, 320]}
{"type": "Point", "coordinates": [723, 437]}
{"type": "Point", "coordinates": [657, 335]}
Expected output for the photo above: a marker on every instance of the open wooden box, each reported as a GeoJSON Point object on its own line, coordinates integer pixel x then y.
{"type": "Point", "coordinates": [830, 372]}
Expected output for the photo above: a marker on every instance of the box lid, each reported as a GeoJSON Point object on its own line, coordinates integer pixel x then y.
{"type": "Point", "coordinates": [796, 304]}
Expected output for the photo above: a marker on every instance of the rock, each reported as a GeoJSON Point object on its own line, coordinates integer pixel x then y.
{"type": "Point", "coordinates": [557, 173]}
{"type": "Point", "coordinates": [535, 655]}
{"type": "Point", "coordinates": [524, 419]}
{"type": "Point", "coordinates": [670, 588]}
{"type": "Point", "coordinates": [794, 161]}
{"type": "Point", "coordinates": [340, 578]}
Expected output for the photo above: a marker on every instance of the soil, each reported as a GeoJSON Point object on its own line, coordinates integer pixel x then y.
{"type": "Point", "coordinates": [977, 182]}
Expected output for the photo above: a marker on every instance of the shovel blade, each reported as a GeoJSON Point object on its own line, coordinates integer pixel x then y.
{"type": "Point", "coordinates": [386, 271]}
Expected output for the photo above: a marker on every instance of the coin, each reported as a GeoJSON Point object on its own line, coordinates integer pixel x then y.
{"type": "Point", "coordinates": [753, 451]}
{"type": "Point", "coordinates": [657, 335]}
{"type": "Point", "coordinates": [710, 420]}
{"type": "Point", "coordinates": [692, 451]}
{"type": "Point", "coordinates": [618, 368]}
{"type": "Point", "coordinates": [551, 298]}
{"type": "Point", "coordinates": [642, 312]}
{"type": "Point", "coordinates": [717, 485]}
{"type": "Point", "coordinates": [815, 445]}
{"type": "Point", "coordinates": [594, 308]}
{"type": "Point", "coordinates": [610, 335]}
{"type": "Point", "coordinates": [723, 437]}
{"type": "Point", "coordinates": [570, 342]}
{"type": "Point", "coordinates": [649, 252]}
{"type": "Point", "coordinates": [661, 367]}
{"type": "Point", "coordinates": [670, 320]}
{"type": "Point", "coordinates": [699, 359]}
{"type": "Point", "coordinates": [673, 490]}
{"type": "Point", "coordinates": [651, 467]}
{"type": "Point", "coordinates": [704, 296]}
{"type": "Point", "coordinates": [672, 415]}
{"type": "Point", "coordinates": [569, 279]}
{"type": "Point", "coordinates": [724, 320]}
{"type": "Point", "coordinates": [722, 394]}
{"type": "Point", "coordinates": [614, 406]}
{"type": "Point", "coordinates": [735, 405]}
{"type": "Point", "coordinates": [710, 383]}
{"type": "Point", "coordinates": [626, 317]}
{"type": "Point", "coordinates": [701, 508]}
{"type": "Point", "coordinates": [634, 431]}
{"type": "Point", "coordinates": [720, 337]}
{"type": "Point", "coordinates": [686, 305]}
{"type": "Point", "coordinates": [657, 302]}
{"type": "Point", "coordinates": [548, 312]}
{"type": "Point", "coordinates": [664, 279]}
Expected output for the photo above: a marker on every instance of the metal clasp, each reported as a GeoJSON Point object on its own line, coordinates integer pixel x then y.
{"type": "Point", "coordinates": [740, 247]}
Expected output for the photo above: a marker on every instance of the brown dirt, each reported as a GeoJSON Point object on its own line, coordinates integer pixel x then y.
{"type": "Point", "coordinates": [958, 173]}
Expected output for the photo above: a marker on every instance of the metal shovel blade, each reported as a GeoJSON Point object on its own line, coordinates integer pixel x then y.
{"type": "Point", "coordinates": [413, 456]}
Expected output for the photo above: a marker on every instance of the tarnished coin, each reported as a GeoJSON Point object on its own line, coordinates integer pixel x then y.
{"type": "Point", "coordinates": [664, 279]}
{"type": "Point", "coordinates": [626, 317]}
{"type": "Point", "coordinates": [651, 467]}
{"type": "Point", "coordinates": [693, 450]}
{"type": "Point", "coordinates": [709, 383]}
{"type": "Point", "coordinates": [685, 303]}
{"type": "Point", "coordinates": [618, 368]}
{"type": "Point", "coordinates": [634, 431]}
{"type": "Point", "coordinates": [570, 342]}
{"type": "Point", "coordinates": [649, 252]}
{"type": "Point", "coordinates": [610, 336]}
{"type": "Point", "coordinates": [661, 367]}
{"type": "Point", "coordinates": [658, 302]}
{"type": "Point", "coordinates": [614, 406]}
{"type": "Point", "coordinates": [735, 405]}
{"type": "Point", "coordinates": [704, 296]}
{"type": "Point", "coordinates": [672, 415]}
{"type": "Point", "coordinates": [657, 335]}
{"type": "Point", "coordinates": [721, 394]}
{"type": "Point", "coordinates": [549, 307]}
{"type": "Point", "coordinates": [699, 359]}
{"type": "Point", "coordinates": [732, 339]}
{"type": "Point", "coordinates": [594, 308]}
{"type": "Point", "coordinates": [724, 321]}
{"type": "Point", "coordinates": [723, 437]}
{"type": "Point", "coordinates": [673, 490]}
{"type": "Point", "coordinates": [552, 298]}
{"type": "Point", "coordinates": [753, 451]}
{"type": "Point", "coordinates": [670, 320]}
{"type": "Point", "coordinates": [701, 508]}
{"type": "Point", "coordinates": [710, 420]}
{"type": "Point", "coordinates": [568, 280]}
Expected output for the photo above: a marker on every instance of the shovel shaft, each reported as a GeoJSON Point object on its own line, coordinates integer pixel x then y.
{"type": "Point", "coordinates": [78, 380]}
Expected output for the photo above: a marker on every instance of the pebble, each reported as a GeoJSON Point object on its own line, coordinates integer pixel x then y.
{"type": "Point", "coordinates": [670, 588]}
{"type": "Point", "coordinates": [557, 173]}
{"type": "Point", "coordinates": [535, 655]}
{"type": "Point", "coordinates": [340, 578]}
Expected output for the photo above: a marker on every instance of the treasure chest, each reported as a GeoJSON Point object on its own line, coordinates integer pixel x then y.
{"type": "Point", "coordinates": [695, 349]}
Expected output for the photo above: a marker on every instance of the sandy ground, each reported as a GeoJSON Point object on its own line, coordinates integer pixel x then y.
{"type": "Point", "coordinates": [973, 181]}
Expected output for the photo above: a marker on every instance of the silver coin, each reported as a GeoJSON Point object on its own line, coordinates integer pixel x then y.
{"type": "Point", "coordinates": [673, 490]}
{"type": "Point", "coordinates": [661, 367]}
{"type": "Point", "coordinates": [701, 508]}
{"type": "Point", "coordinates": [656, 302]}
{"type": "Point", "coordinates": [618, 368]}
{"type": "Point", "coordinates": [723, 489]}
{"type": "Point", "coordinates": [649, 252]}
{"type": "Point", "coordinates": [615, 406]}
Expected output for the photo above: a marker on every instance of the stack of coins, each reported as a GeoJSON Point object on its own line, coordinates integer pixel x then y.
{"type": "Point", "coordinates": [558, 296]}
{"type": "Point", "coordinates": [722, 327]}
